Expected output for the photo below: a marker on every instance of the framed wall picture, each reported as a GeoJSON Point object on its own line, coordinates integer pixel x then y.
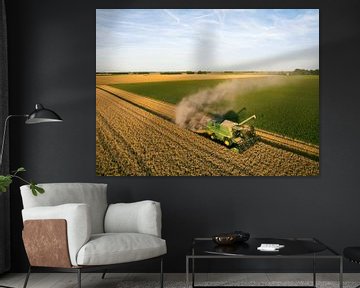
{"type": "Point", "coordinates": [200, 92]}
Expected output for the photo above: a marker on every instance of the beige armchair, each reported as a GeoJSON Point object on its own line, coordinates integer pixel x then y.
{"type": "Point", "coordinates": [72, 228]}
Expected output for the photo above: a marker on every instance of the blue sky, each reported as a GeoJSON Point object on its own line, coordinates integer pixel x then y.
{"type": "Point", "coordinates": [206, 39]}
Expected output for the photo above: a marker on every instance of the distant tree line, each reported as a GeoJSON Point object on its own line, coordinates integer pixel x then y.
{"type": "Point", "coordinates": [305, 72]}
{"type": "Point", "coordinates": [121, 73]}
{"type": "Point", "coordinates": [198, 72]}
{"type": "Point", "coordinates": [182, 72]}
{"type": "Point", "coordinates": [295, 72]}
{"type": "Point", "coordinates": [171, 73]}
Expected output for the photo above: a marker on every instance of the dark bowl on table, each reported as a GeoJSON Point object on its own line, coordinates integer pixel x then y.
{"type": "Point", "coordinates": [225, 239]}
{"type": "Point", "coordinates": [231, 238]}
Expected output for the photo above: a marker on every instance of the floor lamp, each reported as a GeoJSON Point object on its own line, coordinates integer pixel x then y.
{"type": "Point", "coordinates": [39, 115]}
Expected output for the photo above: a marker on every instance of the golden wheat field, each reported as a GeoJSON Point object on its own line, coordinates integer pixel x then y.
{"type": "Point", "coordinates": [130, 140]}
{"type": "Point", "coordinates": [157, 77]}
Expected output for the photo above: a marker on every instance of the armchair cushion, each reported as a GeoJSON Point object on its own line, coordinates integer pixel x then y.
{"type": "Point", "coordinates": [138, 217]}
{"type": "Point", "coordinates": [113, 248]}
{"type": "Point", "coordinates": [78, 221]}
{"type": "Point", "coordinates": [93, 194]}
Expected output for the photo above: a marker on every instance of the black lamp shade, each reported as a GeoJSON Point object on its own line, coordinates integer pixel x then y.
{"type": "Point", "coordinates": [42, 115]}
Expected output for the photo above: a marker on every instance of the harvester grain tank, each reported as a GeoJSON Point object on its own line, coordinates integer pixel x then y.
{"type": "Point", "coordinates": [232, 134]}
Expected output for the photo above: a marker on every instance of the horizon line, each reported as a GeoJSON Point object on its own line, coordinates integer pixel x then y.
{"type": "Point", "coordinates": [208, 71]}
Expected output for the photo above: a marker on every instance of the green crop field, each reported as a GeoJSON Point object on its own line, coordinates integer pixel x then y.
{"type": "Point", "coordinates": [290, 108]}
{"type": "Point", "coordinates": [170, 91]}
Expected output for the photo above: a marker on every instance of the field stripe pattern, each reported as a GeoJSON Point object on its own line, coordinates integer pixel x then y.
{"type": "Point", "coordinates": [307, 149]}
{"type": "Point", "coordinates": [167, 111]}
{"type": "Point", "coordinates": [164, 109]}
{"type": "Point", "coordinates": [132, 141]}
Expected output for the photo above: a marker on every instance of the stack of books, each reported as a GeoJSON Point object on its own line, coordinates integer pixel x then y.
{"type": "Point", "coordinates": [270, 247]}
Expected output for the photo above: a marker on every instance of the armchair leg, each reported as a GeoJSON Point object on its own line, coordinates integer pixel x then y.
{"type": "Point", "coordinates": [79, 277]}
{"type": "Point", "coordinates": [103, 275]}
{"type": "Point", "coordinates": [27, 277]}
{"type": "Point", "coordinates": [161, 273]}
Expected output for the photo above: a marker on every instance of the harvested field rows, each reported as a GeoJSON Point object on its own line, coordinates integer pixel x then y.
{"type": "Point", "coordinates": [132, 141]}
{"type": "Point", "coordinates": [164, 109]}
{"type": "Point", "coordinates": [168, 111]}
{"type": "Point", "coordinates": [157, 77]}
{"type": "Point", "coordinates": [306, 149]}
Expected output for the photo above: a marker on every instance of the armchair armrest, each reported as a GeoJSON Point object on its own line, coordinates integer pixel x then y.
{"type": "Point", "coordinates": [138, 217]}
{"type": "Point", "coordinates": [78, 225]}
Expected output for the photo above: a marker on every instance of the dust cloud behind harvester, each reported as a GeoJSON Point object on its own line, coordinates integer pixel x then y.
{"type": "Point", "coordinates": [192, 112]}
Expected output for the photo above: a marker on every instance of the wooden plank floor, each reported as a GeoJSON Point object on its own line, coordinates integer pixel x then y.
{"type": "Point", "coordinates": [115, 280]}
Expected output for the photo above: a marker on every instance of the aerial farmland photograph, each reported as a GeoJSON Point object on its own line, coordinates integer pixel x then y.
{"type": "Point", "coordinates": [207, 92]}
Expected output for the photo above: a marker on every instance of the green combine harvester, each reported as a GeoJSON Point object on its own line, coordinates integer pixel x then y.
{"type": "Point", "coordinates": [237, 136]}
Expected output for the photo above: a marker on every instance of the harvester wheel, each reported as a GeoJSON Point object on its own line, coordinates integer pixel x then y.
{"type": "Point", "coordinates": [212, 136]}
{"type": "Point", "coordinates": [234, 149]}
{"type": "Point", "coordinates": [227, 142]}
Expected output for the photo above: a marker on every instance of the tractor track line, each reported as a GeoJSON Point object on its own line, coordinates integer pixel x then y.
{"type": "Point", "coordinates": [160, 114]}
{"type": "Point", "coordinates": [295, 146]}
